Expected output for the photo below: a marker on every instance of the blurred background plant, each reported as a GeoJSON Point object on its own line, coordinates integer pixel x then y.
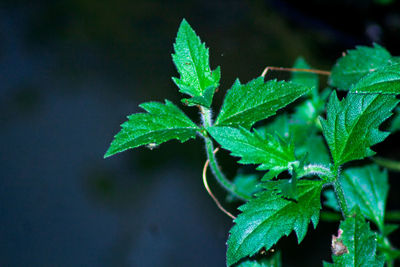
{"type": "Point", "coordinates": [69, 73]}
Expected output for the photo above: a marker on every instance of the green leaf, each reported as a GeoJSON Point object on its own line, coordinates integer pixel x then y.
{"type": "Point", "coordinates": [305, 78]}
{"type": "Point", "coordinates": [247, 184]}
{"type": "Point", "coordinates": [163, 122]}
{"type": "Point", "coordinates": [366, 187]}
{"type": "Point", "coordinates": [272, 261]}
{"type": "Point", "coordinates": [245, 104]}
{"type": "Point", "coordinates": [191, 59]}
{"type": "Point", "coordinates": [384, 80]}
{"type": "Point", "coordinates": [350, 68]}
{"type": "Point", "coordinates": [395, 123]}
{"type": "Point", "coordinates": [272, 153]}
{"type": "Point", "coordinates": [268, 217]}
{"type": "Point", "coordinates": [351, 127]}
{"type": "Point", "coordinates": [355, 244]}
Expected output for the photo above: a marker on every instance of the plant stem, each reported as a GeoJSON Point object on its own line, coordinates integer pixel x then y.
{"type": "Point", "coordinates": [223, 181]}
{"type": "Point", "coordinates": [393, 215]}
{"type": "Point", "coordinates": [340, 194]}
{"type": "Point", "coordinates": [331, 216]}
{"type": "Point", "coordinates": [387, 163]}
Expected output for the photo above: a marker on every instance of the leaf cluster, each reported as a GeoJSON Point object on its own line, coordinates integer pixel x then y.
{"type": "Point", "coordinates": [296, 153]}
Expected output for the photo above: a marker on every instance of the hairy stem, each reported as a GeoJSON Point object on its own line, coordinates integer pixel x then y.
{"type": "Point", "coordinates": [340, 194]}
{"type": "Point", "coordinates": [223, 181]}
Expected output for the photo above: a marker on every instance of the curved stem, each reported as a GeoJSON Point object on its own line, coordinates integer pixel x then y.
{"type": "Point", "coordinates": [209, 190]}
{"type": "Point", "coordinates": [223, 181]}
{"type": "Point", "coordinates": [387, 163]}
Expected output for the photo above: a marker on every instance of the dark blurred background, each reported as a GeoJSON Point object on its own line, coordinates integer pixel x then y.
{"type": "Point", "coordinates": [71, 70]}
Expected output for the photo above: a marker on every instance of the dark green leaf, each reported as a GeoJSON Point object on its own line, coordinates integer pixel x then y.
{"type": "Point", "coordinates": [384, 80]}
{"type": "Point", "coordinates": [163, 122]}
{"type": "Point", "coordinates": [272, 153]}
{"type": "Point", "coordinates": [351, 127]}
{"type": "Point", "coordinates": [271, 261]}
{"type": "Point", "coordinates": [245, 104]}
{"type": "Point", "coordinates": [247, 184]}
{"type": "Point", "coordinates": [192, 62]}
{"type": "Point", "coordinates": [350, 68]}
{"type": "Point", "coordinates": [355, 244]}
{"type": "Point", "coordinates": [330, 200]}
{"type": "Point", "coordinates": [314, 149]}
{"type": "Point", "coordinates": [268, 217]}
{"type": "Point", "coordinates": [366, 187]}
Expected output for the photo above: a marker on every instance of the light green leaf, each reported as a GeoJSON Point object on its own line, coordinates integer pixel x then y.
{"type": "Point", "coordinates": [191, 59]}
{"type": "Point", "coordinates": [268, 217]}
{"type": "Point", "coordinates": [350, 68]}
{"type": "Point", "coordinates": [245, 104]}
{"type": "Point", "coordinates": [357, 244]}
{"type": "Point", "coordinates": [163, 122]}
{"type": "Point", "coordinates": [395, 123]}
{"type": "Point", "coordinates": [384, 80]}
{"type": "Point", "coordinates": [351, 127]}
{"type": "Point", "coordinates": [305, 78]}
{"type": "Point", "coordinates": [272, 153]}
{"type": "Point", "coordinates": [247, 184]}
{"type": "Point", "coordinates": [273, 260]}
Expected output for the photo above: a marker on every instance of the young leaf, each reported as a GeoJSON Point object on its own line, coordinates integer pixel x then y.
{"type": "Point", "coordinates": [191, 59]}
{"type": "Point", "coordinates": [304, 78]}
{"type": "Point", "coordinates": [351, 127]}
{"type": "Point", "coordinates": [272, 261]}
{"type": "Point", "coordinates": [384, 80]}
{"type": "Point", "coordinates": [268, 217]}
{"type": "Point", "coordinates": [163, 122]}
{"type": "Point", "coordinates": [245, 104]}
{"type": "Point", "coordinates": [357, 63]}
{"type": "Point", "coordinates": [355, 244]}
{"type": "Point", "coordinates": [270, 152]}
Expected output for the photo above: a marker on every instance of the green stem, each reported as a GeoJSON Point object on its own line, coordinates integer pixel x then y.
{"type": "Point", "coordinates": [223, 181]}
{"type": "Point", "coordinates": [340, 194]}
{"type": "Point", "coordinates": [331, 216]}
{"type": "Point", "coordinates": [393, 215]}
{"type": "Point", "coordinates": [387, 163]}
